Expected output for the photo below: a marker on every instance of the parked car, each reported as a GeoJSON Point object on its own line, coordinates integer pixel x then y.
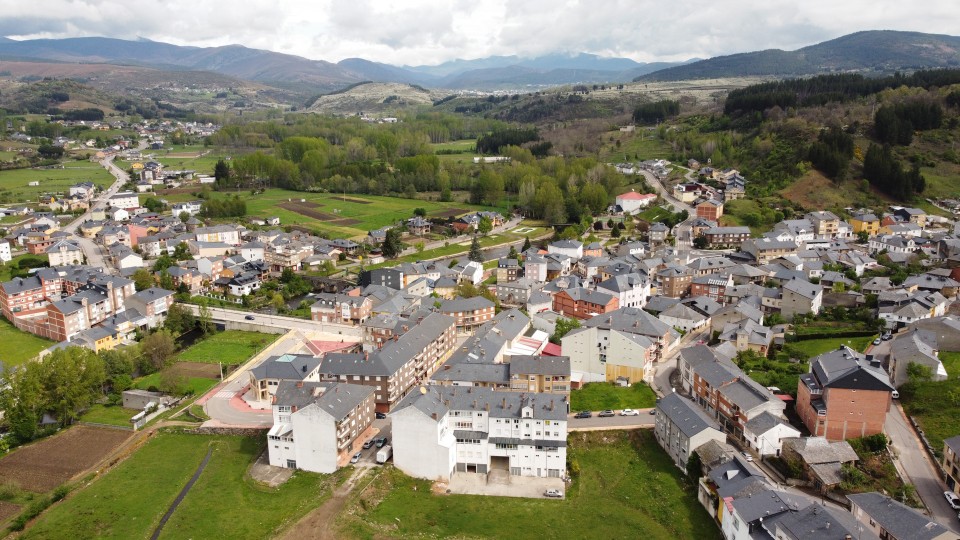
{"type": "Point", "coordinates": [747, 456]}
{"type": "Point", "coordinates": [369, 444]}
{"type": "Point", "coordinates": [583, 414]}
{"type": "Point", "coordinates": [606, 414]}
{"type": "Point", "coordinates": [876, 341]}
{"type": "Point", "coordinates": [381, 442]}
{"type": "Point", "coordinates": [381, 416]}
{"type": "Point", "coordinates": [886, 337]}
{"type": "Point", "coordinates": [653, 412]}
{"type": "Point", "coordinates": [952, 499]}
{"type": "Point", "coordinates": [553, 493]}
{"type": "Point", "coordinates": [629, 412]}
{"type": "Point", "coordinates": [249, 317]}
{"type": "Point", "coordinates": [355, 458]}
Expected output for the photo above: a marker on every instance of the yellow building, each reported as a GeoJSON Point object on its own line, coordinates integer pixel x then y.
{"type": "Point", "coordinates": [868, 223]}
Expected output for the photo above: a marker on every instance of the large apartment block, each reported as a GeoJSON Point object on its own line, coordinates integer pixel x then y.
{"type": "Point", "coordinates": [441, 430]}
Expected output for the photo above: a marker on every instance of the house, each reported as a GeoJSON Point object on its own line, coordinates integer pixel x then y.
{"type": "Point", "coordinates": [764, 434]}
{"type": "Point", "coordinates": [341, 308]}
{"type": "Point", "coordinates": [892, 520]}
{"type": "Point", "coordinates": [710, 209]}
{"type": "Point", "coordinates": [632, 202]}
{"type": "Point", "coordinates": [844, 395]}
{"type": "Point", "coordinates": [865, 222]}
{"type": "Point", "coordinates": [684, 318]}
{"type": "Point", "coordinates": [226, 234]}
{"type": "Point", "coordinates": [190, 278]}
{"type": "Point", "coordinates": [570, 248]}
{"type": "Point", "coordinates": [315, 424]}
{"type": "Point", "coordinates": [821, 459]}
{"type": "Point", "coordinates": [914, 347]}
{"type": "Point", "coordinates": [825, 224]}
{"type": "Point", "coordinates": [606, 355]}
{"type": "Point", "coordinates": [713, 286]}
{"type": "Point", "coordinates": [657, 233]}
{"type": "Point", "coordinates": [581, 303]}
{"type": "Point", "coordinates": [516, 293]}
{"type": "Point", "coordinates": [631, 290]}
{"type": "Point", "coordinates": [64, 253]}
{"type": "Point", "coordinates": [439, 431]}
{"type": "Point", "coordinates": [508, 270]}
{"type": "Point", "coordinates": [747, 335]}
{"type": "Point", "coordinates": [417, 226]}
{"type": "Point", "coordinates": [192, 208]}
{"type": "Point", "coordinates": [152, 303]}
{"type": "Point", "coordinates": [266, 377]}
{"type": "Point", "coordinates": [681, 427]}
{"type": "Point", "coordinates": [911, 215]}
{"type": "Point", "coordinates": [124, 199]}
{"type": "Point", "coordinates": [241, 284]}
{"type": "Point", "coordinates": [799, 297]}
{"type": "Point", "coordinates": [536, 373]}
{"type": "Point", "coordinates": [951, 462]}
{"type": "Point", "coordinates": [83, 189]}
{"type": "Point", "coordinates": [674, 281]}
{"type": "Point", "coordinates": [124, 257]}
{"type": "Point", "coordinates": [726, 236]}
{"type": "Point", "coordinates": [5, 254]}
{"type": "Point", "coordinates": [468, 313]}
{"type": "Point", "coordinates": [765, 249]}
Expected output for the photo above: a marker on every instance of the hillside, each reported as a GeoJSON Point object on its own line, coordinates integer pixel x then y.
{"type": "Point", "coordinates": [375, 99]}
{"type": "Point", "coordinates": [868, 52]}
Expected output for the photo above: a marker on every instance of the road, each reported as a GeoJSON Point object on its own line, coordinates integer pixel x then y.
{"type": "Point", "coordinates": [661, 377]}
{"type": "Point", "coordinates": [683, 231]}
{"type": "Point", "coordinates": [278, 321]}
{"type": "Point", "coordinates": [919, 471]}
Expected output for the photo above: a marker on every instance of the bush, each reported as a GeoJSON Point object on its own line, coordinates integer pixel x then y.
{"type": "Point", "coordinates": [8, 491]}
{"type": "Point", "coordinates": [59, 494]}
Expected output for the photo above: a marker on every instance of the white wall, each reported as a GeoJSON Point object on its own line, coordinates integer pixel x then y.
{"type": "Point", "coordinates": [422, 447]}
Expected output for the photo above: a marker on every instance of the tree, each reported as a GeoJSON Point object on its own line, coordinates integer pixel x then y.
{"type": "Point", "coordinates": [182, 252]}
{"type": "Point", "coordinates": [485, 226]}
{"type": "Point", "coordinates": [694, 466]}
{"type": "Point", "coordinates": [476, 254]}
{"type": "Point", "coordinates": [157, 348]}
{"type": "Point", "coordinates": [142, 279]}
{"type": "Point", "coordinates": [513, 253]}
{"type": "Point", "coordinates": [221, 172]}
{"type": "Point", "coordinates": [919, 372]}
{"type": "Point", "coordinates": [863, 237]}
{"type": "Point", "coordinates": [205, 319]}
{"type": "Point", "coordinates": [526, 243]}
{"type": "Point", "coordinates": [184, 216]}
{"type": "Point", "coordinates": [563, 327]}
{"type": "Point", "coordinates": [179, 319]}
{"type": "Point", "coordinates": [392, 244]}
{"type": "Point", "coordinates": [422, 212]}
{"type": "Point", "coordinates": [700, 242]}
{"type": "Point", "coordinates": [615, 232]}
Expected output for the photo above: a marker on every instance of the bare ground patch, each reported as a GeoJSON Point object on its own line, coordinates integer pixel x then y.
{"type": "Point", "coordinates": [197, 369]}
{"type": "Point", "coordinates": [450, 212]}
{"type": "Point", "coordinates": [304, 210]}
{"type": "Point", "coordinates": [357, 201]}
{"type": "Point", "coordinates": [347, 222]}
{"type": "Point", "coordinates": [47, 464]}
{"type": "Point", "coordinates": [8, 510]}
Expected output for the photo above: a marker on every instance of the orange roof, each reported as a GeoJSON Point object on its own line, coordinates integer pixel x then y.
{"type": "Point", "coordinates": [633, 195]}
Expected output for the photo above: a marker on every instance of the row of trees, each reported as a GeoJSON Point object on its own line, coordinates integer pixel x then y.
{"type": "Point", "coordinates": [658, 111]}
{"type": "Point", "coordinates": [224, 208]}
{"type": "Point", "coordinates": [895, 124]}
{"type": "Point", "coordinates": [882, 169]}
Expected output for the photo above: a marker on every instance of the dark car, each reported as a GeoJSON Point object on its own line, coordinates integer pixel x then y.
{"type": "Point", "coordinates": [583, 414]}
{"type": "Point", "coordinates": [249, 317]}
{"type": "Point", "coordinates": [381, 442]}
{"type": "Point", "coordinates": [606, 414]}
{"type": "Point", "coordinates": [381, 416]}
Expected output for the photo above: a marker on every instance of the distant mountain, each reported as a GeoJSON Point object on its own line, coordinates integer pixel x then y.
{"type": "Point", "coordinates": [869, 51]}
{"type": "Point", "coordinates": [376, 71]}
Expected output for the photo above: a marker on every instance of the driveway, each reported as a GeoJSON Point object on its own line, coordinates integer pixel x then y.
{"type": "Point", "coordinates": [501, 484]}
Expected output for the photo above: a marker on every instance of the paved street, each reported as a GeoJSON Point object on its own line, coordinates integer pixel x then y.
{"type": "Point", "coordinates": [278, 321]}
{"type": "Point", "coordinates": [644, 419]}
{"type": "Point", "coordinates": [661, 378]}
{"type": "Point", "coordinates": [918, 469]}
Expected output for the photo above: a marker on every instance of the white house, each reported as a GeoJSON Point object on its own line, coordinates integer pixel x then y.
{"type": "Point", "coordinates": [682, 427]}
{"type": "Point", "coordinates": [316, 423]}
{"type": "Point", "coordinates": [5, 254]}
{"type": "Point", "coordinates": [632, 290]}
{"type": "Point", "coordinates": [252, 251]}
{"type": "Point", "coordinates": [632, 201]}
{"type": "Point", "coordinates": [765, 433]}
{"type": "Point", "coordinates": [191, 207]}
{"type": "Point", "coordinates": [124, 199]}
{"type": "Point", "coordinates": [598, 354]}
{"type": "Point", "coordinates": [439, 430]}
{"type": "Point", "coordinates": [227, 234]}
{"type": "Point", "coordinates": [684, 318]}
{"type": "Point", "coordinates": [63, 253]}
{"type": "Point", "coordinates": [118, 214]}
{"type": "Point", "coordinates": [570, 248]}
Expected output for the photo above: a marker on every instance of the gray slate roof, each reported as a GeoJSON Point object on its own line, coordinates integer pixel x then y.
{"type": "Point", "coordinates": [903, 522]}
{"type": "Point", "coordinates": [293, 367]}
{"type": "Point", "coordinates": [336, 399]}
{"type": "Point", "coordinates": [686, 415]}
{"type": "Point", "coordinates": [441, 399]}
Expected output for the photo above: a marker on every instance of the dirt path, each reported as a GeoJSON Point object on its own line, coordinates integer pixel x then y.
{"type": "Point", "coordinates": [319, 524]}
{"type": "Point", "coordinates": [182, 494]}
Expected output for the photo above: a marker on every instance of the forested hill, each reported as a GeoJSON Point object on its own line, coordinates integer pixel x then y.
{"type": "Point", "coordinates": [875, 51]}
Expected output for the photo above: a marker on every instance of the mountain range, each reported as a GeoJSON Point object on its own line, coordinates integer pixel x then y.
{"type": "Point", "coordinates": [870, 51]}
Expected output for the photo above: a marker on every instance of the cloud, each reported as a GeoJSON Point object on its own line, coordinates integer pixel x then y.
{"type": "Point", "coordinates": [417, 32]}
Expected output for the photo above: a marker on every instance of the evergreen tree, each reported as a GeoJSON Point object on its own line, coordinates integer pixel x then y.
{"type": "Point", "coordinates": [475, 254]}
{"type": "Point", "coordinates": [526, 243]}
{"type": "Point", "coordinates": [392, 245]}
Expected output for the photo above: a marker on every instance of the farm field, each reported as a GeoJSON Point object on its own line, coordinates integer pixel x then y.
{"type": "Point", "coordinates": [626, 484]}
{"type": "Point", "coordinates": [47, 464]}
{"type": "Point", "coordinates": [14, 188]}
{"type": "Point", "coordinates": [197, 377]}
{"type": "Point", "coordinates": [117, 505]}
{"type": "Point", "coordinates": [19, 346]}
{"type": "Point", "coordinates": [229, 347]}
{"type": "Point", "coordinates": [340, 216]}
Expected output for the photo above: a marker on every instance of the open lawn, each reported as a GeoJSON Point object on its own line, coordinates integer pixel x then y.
{"type": "Point", "coordinates": [815, 347]}
{"type": "Point", "coordinates": [114, 415]}
{"type": "Point", "coordinates": [229, 347]}
{"type": "Point", "coordinates": [14, 188]}
{"type": "Point", "coordinates": [627, 487]}
{"type": "Point", "coordinates": [464, 146]}
{"type": "Point", "coordinates": [601, 396]}
{"type": "Point", "coordinates": [340, 216]}
{"type": "Point", "coordinates": [224, 499]}
{"type": "Point", "coordinates": [193, 385]}
{"type": "Point", "coordinates": [640, 145]}
{"type": "Point", "coordinates": [934, 404]}
{"type": "Point", "coordinates": [19, 346]}
{"type": "Point", "coordinates": [655, 214]}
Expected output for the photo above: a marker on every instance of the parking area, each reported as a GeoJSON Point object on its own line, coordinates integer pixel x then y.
{"type": "Point", "coordinates": [368, 456]}
{"type": "Point", "coordinates": [501, 484]}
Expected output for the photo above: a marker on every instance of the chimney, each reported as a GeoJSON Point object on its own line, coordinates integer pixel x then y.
{"type": "Point", "coordinates": [474, 404]}
{"type": "Point", "coordinates": [433, 415]}
{"type": "Point", "coordinates": [487, 407]}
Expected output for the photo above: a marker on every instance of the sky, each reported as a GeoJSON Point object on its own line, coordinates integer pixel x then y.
{"type": "Point", "coordinates": [429, 32]}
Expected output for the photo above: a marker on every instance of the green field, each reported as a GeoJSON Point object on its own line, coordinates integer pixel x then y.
{"type": "Point", "coordinates": [934, 404]}
{"type": "Point", "coordinates": [229, 347]}
{"type": "Point", "coordinates": [341, 216]}
{"type": "Point", "coordinates": [638, 146]}
{"type": "Point", "coordinates": [602, 396]}
{"type": "Point", "coordinates": [114, 415]}
{"type": "Point", "coordinates": [194, 157]}
{"type": "Point", "coordinates": [128, 501]}
{"type": "Point", "coordinates": [196, 386]}
{"type": "Point", "coordinates": [464, 146]}
{"type": "Point", "coordinates": [816, 347]}
{"type": "Point", "coordinates": [627, 487]}
{"type": "Point", "coordinates": [14, 188]}
{"type": "Point", "coordinates": [19, 346]}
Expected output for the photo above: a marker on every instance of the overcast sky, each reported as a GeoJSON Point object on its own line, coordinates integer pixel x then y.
{"type": "Point", "coordinates": [415, 32]}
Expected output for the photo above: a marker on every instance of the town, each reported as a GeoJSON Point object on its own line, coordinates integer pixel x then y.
{"type": "Point", "coordinates": [465, 373]}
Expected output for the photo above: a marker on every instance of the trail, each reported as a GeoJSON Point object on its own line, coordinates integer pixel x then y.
{"type": "Point", "coordinates": [319, 523]}
{"type": "Point", "coordinates": [182, 494]}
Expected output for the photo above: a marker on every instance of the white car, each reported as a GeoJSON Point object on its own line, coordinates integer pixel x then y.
{"type": "Point", "coordinates": [747, 456]}
{"type": "Point", "coordinates": [952, 499]}
{"type": "Point", "coordinates": [554, 493]}
{"type": "Point", "coordinates": [356, 457]}
{"type": "Point", "coordinates": [629, 412]}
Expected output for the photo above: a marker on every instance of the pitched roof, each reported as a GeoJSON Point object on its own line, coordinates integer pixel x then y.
{"type": "Point", "coordinates": [901, 521]}
{"type": "Point", "coordinates": [689, 418]}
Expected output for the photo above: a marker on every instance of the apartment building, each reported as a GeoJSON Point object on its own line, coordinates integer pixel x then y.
{"type": "Point", "coordinates": [266, 377]}
{"type": "Point", "coordinates": [845, 395]}
{"type": "Point", "coordinates": [407, 360]}
{"type": "Point", "coordinates": [315, 424]}
{"type": "Point", "coordinates": [152, 303]}
{"type": "Point", "coordinates": [765, 249]}
{"type": "Point", "coordinates": [826, 224]}
{"type": "Point", "coordinates": [341, 308]}
{"type": "Point", "coordinates": [951, 463]}
{"type": "Point", "coordinates": [468, 313]}
{"type": "Point", "coordinates": [439, 431]}
{"type": "Point", "coordinates": [508, 270]}
{"type": "Point", "coordinates": [674, 281]}
{"type": "Point", "coordinates": [713, 286]}
{"type": "Point", "coordinates": [710, 209]}
{"type": "Point", "coordinates": [681, 427]}
{"type": "Point", "coordinates": [581, 303]}
{"type": "Point", "coordinates": [890, 519]}
{"type": "Point", "coordinates": [726, 236]}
